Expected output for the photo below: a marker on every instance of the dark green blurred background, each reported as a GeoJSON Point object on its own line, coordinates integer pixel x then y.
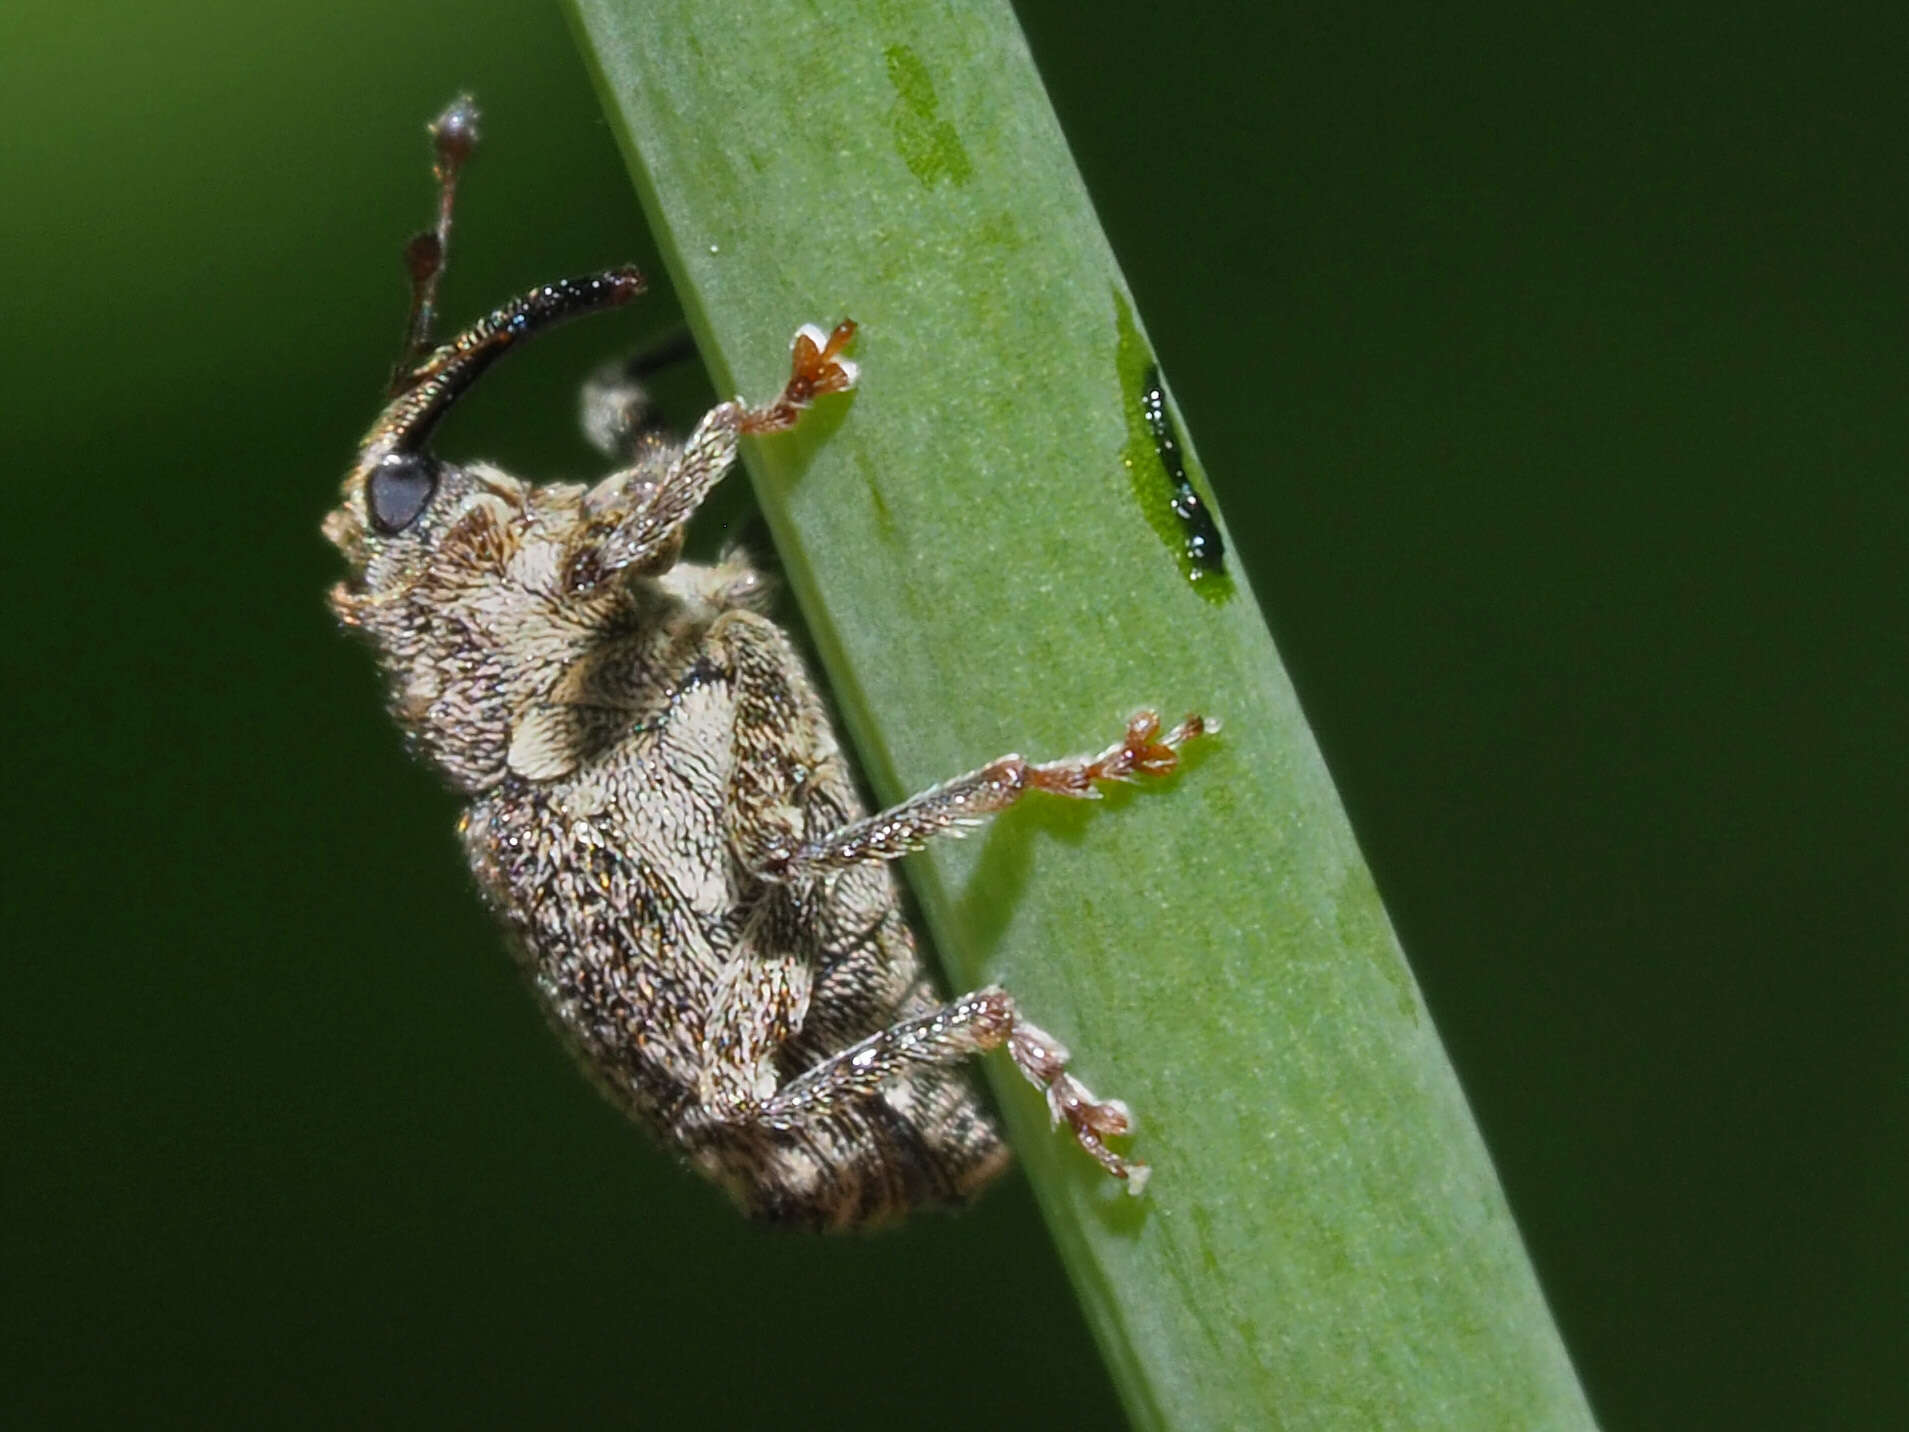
{"type": "Point", "coordinates": [1551, 373]}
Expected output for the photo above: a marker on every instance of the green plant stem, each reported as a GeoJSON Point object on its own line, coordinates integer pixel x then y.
{"type": "Point", "coordinates": [976, 539]}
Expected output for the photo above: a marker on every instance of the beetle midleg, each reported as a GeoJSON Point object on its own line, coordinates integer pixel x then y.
{"type": "Point", "coordinates": [968, 799]}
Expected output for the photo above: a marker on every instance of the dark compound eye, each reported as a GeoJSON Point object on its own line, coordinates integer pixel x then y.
{"type": "Point", "coordinates": [398, 489]}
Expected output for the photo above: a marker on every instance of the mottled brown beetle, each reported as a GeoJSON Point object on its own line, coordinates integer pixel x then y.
{"type": "Point", "coordinates": [658, 808]}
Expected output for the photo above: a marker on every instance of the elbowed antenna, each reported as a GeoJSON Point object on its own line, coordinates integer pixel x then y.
{"type": "Point", "coordinates": [453, 137]}
{"type": "Point", "coordinates": [437, 382]}
{"type": "Point", "coordinates": [427, 381]}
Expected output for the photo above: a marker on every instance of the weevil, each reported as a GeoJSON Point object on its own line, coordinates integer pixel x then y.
{"type": "Point", "coordinates": [657, 807]}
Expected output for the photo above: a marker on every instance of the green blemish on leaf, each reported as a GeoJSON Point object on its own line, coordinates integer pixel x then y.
{"type": "Point", "coordinates": [883, 516]}
{"type": "Point", "coordinates": [928, 144]}
{"type": "Point", "coordinates": [1000, 231]}
{"type": "Point", "coordinates": [1153, 486]}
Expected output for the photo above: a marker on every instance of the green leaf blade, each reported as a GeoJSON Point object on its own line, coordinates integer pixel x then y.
{"type": "Point", "coordinates": [1324, 1243]}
